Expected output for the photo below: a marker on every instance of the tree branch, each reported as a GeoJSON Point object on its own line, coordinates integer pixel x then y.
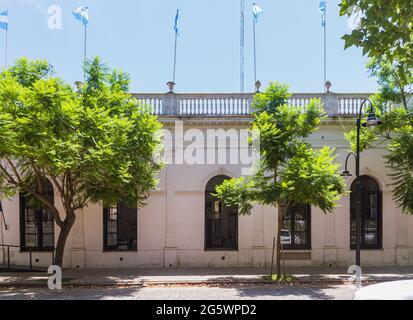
{"type": "Point", "coordinates": [13, 168]}
{"type": "Point", "coordinates": [8, 176]}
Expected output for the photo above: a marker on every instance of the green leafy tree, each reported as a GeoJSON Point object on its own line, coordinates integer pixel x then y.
{"type": "Point", "coordinates": [393, 101]}
{"type": "Point", "coordinates": [385, 30]}
{"type": "Point", "coordinates": [385, 34]}
{"type": "Point", "coordinates": [290, 171]}
{"type": "Point", "coordinates": [386, 37]}
{"type": "Point", "coordinates": [95, 145]}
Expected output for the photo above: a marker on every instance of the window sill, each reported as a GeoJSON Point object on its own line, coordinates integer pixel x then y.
{"type": "Point", "coordinates": [119, 250]}
{"type": "Point", "coordinates": [221, 250]}
{"type": "Point", "coordinates": [296, 254]}
{"type": "Point", "coordinates": [367, 249]}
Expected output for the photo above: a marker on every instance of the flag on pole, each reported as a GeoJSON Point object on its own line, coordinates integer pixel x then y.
{"type": "Point", "coordinates": [176, 26]}
{"type": "Point", "coordinates": [257, 11]}
{"type": "Point", "coordinates": [323, 12]}
{"type": "Point", "coordinates": [4, 20]}
{"type": "Point", "coordinates": [82, 13]}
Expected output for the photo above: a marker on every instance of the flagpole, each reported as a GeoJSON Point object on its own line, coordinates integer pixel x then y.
{"type": "Point", "coordinates": [325, 48]}
{"type": "Point", "coordinates": [255, 51]}
{"type": "Point", "coordinates": [6, 48]}
{"type": "Point", "coordinates": [242, 48]}
{"type": "Point", "coordinates": [85, 56]}
{"type": "Point", "coordinates": [176, 44]}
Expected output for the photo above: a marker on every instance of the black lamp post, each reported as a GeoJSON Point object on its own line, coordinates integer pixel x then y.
{"type": "Point", "coordinates": [372, 121]}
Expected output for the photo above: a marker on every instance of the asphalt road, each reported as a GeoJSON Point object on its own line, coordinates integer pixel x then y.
{"type": "Point", "coordinates": [344, 292]}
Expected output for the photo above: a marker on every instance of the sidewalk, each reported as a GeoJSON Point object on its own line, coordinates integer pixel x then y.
{"type": "Point", "coordinates": [201, 276]}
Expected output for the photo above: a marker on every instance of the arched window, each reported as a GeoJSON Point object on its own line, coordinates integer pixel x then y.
{"type": "Point", "coordinates": [371, 214]}
{"type": "Point", "coordinates": [296, 230]}
{"type": "Point", "coordinates": [36, 221]}
{"type": "Point", "coordinates": [221, 222]}
{"type": "Point", "coordinates": [120, 228]}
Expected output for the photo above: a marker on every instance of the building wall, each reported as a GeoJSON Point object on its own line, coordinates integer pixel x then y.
{"type": "Point", "coordinates": [171, 226]}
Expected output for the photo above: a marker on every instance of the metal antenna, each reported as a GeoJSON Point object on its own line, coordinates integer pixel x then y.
{"type": "Point", "coordinates": [242, 47]}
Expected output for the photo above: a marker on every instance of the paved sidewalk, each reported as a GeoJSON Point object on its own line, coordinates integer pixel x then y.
{"type": "Point", "coordinates": [193, 276]}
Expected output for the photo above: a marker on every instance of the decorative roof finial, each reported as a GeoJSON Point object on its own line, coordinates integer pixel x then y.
{"type": "Point", "coordinates": [328, 86]}
{"type": "Point", "coordinates": [257, 86]}
{"type": "Point", "coordinates": [171, 86]}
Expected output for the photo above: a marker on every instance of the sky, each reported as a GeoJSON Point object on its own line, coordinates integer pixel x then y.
{"type": "Point", "coordinates": [137, 36]}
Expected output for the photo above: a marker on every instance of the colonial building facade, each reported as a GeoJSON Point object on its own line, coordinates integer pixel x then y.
{"type": "Point", "coordinates": [184, 225]}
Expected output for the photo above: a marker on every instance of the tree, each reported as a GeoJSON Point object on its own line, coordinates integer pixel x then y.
{"type": "Point", "coordinates": [386, 29]}
{"type": "Point", "coordinates": [290, 171]}
{"type": "Point", "coordinates": [393, 101]}
{"type": "Point", "coordinates": [386, 36]}
{"type": "Point", "coordinates": [95, 145]}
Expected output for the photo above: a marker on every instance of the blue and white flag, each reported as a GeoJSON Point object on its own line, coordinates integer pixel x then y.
{"type": "Point", "coordinates": [4, 20]}
{"type": "Point", "coordinates": [323, 12]}
{"type": "Point", "coordinates": [176, 26]}
{"type": "Point", "coordinates": [257, 11]}
{"type": "Point", "coordinates": [82, 13]}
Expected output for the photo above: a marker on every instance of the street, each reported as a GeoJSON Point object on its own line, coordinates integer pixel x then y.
{"type": "Point", "coordinates": [251, 292]}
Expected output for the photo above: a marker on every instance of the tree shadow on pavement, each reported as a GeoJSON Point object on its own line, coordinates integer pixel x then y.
{"type": "Point", "coordinates": [294, 292]}
{"type": "Point", "coordinates": [69, 294]}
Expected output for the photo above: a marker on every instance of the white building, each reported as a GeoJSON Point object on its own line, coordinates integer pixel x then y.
{"type": "Point", "coordinates": [183, 225]}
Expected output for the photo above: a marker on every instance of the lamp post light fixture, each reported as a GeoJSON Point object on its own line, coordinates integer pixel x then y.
{"type": "Point", "coordinates": [346, 173]}
{"type": "Point", "coordinates": [372, 121]}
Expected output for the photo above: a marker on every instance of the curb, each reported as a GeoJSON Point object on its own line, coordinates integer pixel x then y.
{"type": "Point", "coordinates": [194, 283]}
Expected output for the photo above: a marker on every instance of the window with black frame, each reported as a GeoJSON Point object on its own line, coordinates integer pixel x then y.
{"type": "Point", "coordinates": [221, 221]}
{"type": "Point", "coordinates": [371, 214]}
{"type": "Point", "coordinates": [36, 221]}
{"type": "Point", "coordinates": [296, 228]}
{"type": "Point", "coordinates": [120, 228]}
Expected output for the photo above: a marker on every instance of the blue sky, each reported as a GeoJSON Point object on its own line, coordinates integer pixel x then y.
{"type": "Point", "coordinates": [137, 36]}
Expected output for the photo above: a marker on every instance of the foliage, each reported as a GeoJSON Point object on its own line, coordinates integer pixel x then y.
{"type": "Point", "coordinates": [386, 30]}
{"type": "Point", "coordinates": [290, 171]}
{"type": "Point", "coordinates": [94, 145]}
{"type": "Point", "coordinates": [400, 160]}
{"type": "Point", "coordinates": [396, 82]}
{"type": "Point", "coordinates": [393, 103]}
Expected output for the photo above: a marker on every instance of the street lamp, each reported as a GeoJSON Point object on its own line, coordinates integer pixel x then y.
{"type": "Point", "coordinates": [372, 121]}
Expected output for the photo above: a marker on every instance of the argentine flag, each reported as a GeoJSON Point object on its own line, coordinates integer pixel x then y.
{"type": "Point", "coordinates": [4, 20]}
{"type": "Point", "coordinates": [176, 26]}
{"type": "Point", "coordinates": [323, 12]}
{"type": "Point", "coordinates": [82, 13]}
{"type": "Point", "coordinates": [257, 11]}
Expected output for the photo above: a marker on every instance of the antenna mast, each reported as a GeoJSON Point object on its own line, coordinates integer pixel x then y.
{"type": "Point", "coordinates": [242, 47]}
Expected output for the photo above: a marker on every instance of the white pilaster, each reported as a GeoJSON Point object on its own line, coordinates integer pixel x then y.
{"type": "Point", "coordinates": [170, 252]}
{"type": "Point", "coordinates": [330, 245]}
{"type": "Point", "coordinates": [258, 249]}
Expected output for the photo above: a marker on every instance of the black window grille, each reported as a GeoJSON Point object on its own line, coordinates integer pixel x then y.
{"type": "Point", "coordinates": [221, 221]}
{"type": "Point", "coordinates": [120, 228]}
{"type": "Point", "coordinates": [36, 221]}
{"type": "Point", "coordinates": [371, 214]}
{"type": "Point", "coordinates": [296, 228]}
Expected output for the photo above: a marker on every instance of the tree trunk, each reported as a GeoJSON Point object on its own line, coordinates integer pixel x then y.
{"type": "Point", "coordinates": [279, 228]}
{"type": "Point", "coordinates": [64, 233]}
